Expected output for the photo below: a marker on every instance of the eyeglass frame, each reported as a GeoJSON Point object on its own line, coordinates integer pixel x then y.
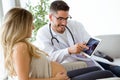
{"type": "Point", "coordinates": [61, 18]}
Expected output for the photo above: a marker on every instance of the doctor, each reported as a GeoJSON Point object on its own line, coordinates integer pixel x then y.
{"type": "Point", "coordinates": [62, 38]}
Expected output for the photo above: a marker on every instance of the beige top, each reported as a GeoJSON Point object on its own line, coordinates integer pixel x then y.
{"type": "Point", "coordinates": [40, 67]}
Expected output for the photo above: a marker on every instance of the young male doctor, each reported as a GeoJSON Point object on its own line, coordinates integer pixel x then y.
{"type": "Point", "coordinates": [62, 38]}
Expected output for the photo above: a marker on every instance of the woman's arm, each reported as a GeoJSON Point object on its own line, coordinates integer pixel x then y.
{"type": "Point", "coordinates": [21, 60]}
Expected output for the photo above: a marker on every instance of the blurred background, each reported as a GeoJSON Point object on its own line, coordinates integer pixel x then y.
{"type": "Point", "coordinates": [100, 17]}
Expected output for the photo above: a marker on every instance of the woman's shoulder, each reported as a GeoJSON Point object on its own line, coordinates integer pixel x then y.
{"type": "Point", "coordinates": [20, 50]}
{"type": "Point", "coordinates": [20, 45]}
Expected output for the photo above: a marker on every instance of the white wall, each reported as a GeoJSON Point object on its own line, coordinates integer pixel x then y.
{"type": "Point", "coordinates": [98, 16]}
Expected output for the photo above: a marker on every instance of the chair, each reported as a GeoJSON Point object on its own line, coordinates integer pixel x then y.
{"type": "Point", "coordinates": [110, 45]}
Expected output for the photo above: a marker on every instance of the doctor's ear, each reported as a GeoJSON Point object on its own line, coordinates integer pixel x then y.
{"type": "Point", "coordinates": [50, 17]}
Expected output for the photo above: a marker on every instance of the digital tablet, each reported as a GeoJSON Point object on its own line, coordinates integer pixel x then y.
{"type": "Point", "coordinates": [92, 43]}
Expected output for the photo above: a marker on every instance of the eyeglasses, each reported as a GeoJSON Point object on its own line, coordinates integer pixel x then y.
{"type": "Point", "coordinates": [62, 19]}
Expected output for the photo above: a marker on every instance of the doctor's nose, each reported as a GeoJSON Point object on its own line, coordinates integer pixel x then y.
{"type": "Point", "coordinates": [64, 22]}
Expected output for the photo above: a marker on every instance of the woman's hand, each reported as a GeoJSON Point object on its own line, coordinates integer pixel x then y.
{"type": "Point", "coordinates": [61, 76]}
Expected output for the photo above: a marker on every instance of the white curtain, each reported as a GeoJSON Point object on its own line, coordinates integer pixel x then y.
{"type": "Point", "coordinates": [17, 3]}
{"type": "Point", "coordinates": [5, 5]}
{"type": "Point", "coordinates": [1, 12]}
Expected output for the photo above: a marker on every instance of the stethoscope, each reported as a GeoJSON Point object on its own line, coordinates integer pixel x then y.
{"type": "Point", "coordinates": [54, 38]}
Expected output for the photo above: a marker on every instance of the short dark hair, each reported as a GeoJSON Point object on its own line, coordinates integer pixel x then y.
{"type": "Point", "coordinates": [58, 5]}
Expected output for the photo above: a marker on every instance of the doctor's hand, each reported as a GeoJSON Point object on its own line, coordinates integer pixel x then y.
{"type": "Point", "coordinates": [77, 48]}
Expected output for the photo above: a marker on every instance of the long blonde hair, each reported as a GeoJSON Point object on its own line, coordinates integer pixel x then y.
{"type": "Point", "coordinates": [16, 27]}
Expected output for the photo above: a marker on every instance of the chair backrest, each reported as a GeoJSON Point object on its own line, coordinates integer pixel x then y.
{"type": "Point", "coordinates": [110, 45]}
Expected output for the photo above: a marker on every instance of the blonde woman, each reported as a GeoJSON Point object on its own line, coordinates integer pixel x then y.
{"type": "Point", "coordinates": [23, 61]}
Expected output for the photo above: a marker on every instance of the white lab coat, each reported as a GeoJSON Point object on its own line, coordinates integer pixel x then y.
{"type": "Point", "coordinates": [59, 51]}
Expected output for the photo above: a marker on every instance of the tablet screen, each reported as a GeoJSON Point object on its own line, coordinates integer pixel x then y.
{"type": "Point", "coordinates": [92, 44]}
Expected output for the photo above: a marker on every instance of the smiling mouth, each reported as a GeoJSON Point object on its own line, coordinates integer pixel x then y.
{"type": "Point", "coordinates": [62, 27]}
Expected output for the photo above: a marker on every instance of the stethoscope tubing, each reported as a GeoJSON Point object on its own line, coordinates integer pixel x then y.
{"type": "Point", "coordinates": [56, 38]}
